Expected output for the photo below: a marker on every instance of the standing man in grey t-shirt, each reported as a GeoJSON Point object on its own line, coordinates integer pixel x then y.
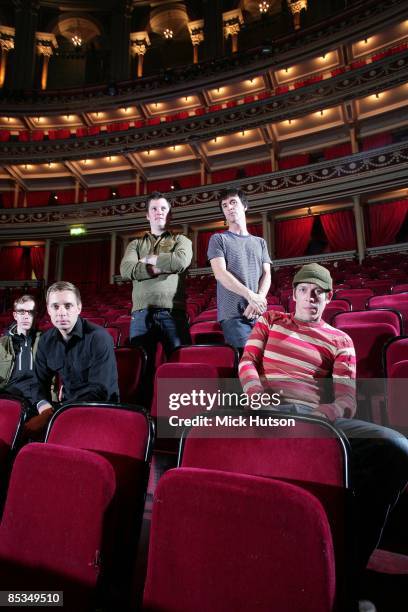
{"type": "Point", "coordinates": [242, 267]}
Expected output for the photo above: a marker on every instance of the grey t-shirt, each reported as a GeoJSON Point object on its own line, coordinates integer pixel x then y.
{"type": "Point", "coordinates": [244, 257]}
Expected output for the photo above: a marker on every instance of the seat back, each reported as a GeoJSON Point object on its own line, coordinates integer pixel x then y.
{"type": "Point", "coordinates": [11, 416]}
{"type": "Point", "coordinates": [207, 332]}
{"type": "Point", "coordinates": [115, 333]}
{"type": "Point", "coordinates": [182, 372]}
{"type": "Point", "coordinates": [397, 301]}
{"type": "Point", "coordinates": [131, 364]}
{"type": "Point", "coordinates": [357, 297]}
{"type": "Point", "coordinates": [313, 455]}
{"type": "Point", "coordinates": [223, 356]}
{"type": "Point", "coordinates": [124, 326]}
{"type": "Point", "coordinates": [208, 551]}
{"type": "Point", "coordinates": [370, 316]}
{"type": "Point", "coordinates": [369, 340]}
{"type": "Point", "coordinates": [124, 436]}
{"type": "Point", "coordinates": [51, 534]}
{"type": "Point", "coordinates": [396, 371]}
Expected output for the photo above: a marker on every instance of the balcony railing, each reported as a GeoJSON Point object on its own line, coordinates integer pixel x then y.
{"type": "Point", "coordinates": [342, 178]}
{"type": "Point", "coordinates": [358, 22]}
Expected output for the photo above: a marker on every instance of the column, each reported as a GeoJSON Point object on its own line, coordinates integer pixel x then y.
{"type": "Point", "coordinates": [16, 194]}
{"type": "Point", "coordinates": [266, 230]}
{"type": "Point", "coordinates": [76, 191]}
{"type": "Point", "coordinates": [232, 21]}
{"type": "Point", "coordinates": [26, 18]}
{"type": "Point", "coordinates": [296, 6]}
{"type": "Point", "coordinates": [186, 229]}
{"type": "Point", "coordinates": [60, 261]}
{"type": "Point", "coordinates": [358, 218]}
{"type": "Point", "coordinates": [195, 241]}
{"type": "Point", "coordinates": [139, 42]}
{"type": "Point", "coordinates": [272, 247]}
{"type": "Point", "coordinates": [112, 258]}
{"type": "Point", "coordinates": [202, 174]}
{"type": "Point", "coordinates": [46, 261]}
{"type": "Point", "coordinates": [121, 24]}
{"type": "Point", "coordinates": [137, 183]}
{"type": "Point", "coordinates": [353, 140]}
{"type": "Point", "coordinates": [46, 43]}
{"type": "Point", "coordinates": [196, 29]}
{"type": "Point", "coordinates": [6, 44]}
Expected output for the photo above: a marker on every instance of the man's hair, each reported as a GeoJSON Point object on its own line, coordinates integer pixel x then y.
{"type": "Point", "coordinates": [23, 299]}
{"type": "Point", "coordinates": [156, 195]}
{"type": "Point", "coordinates": [230, 192]}
{"type": "Point", "coordinates": [64, 286]}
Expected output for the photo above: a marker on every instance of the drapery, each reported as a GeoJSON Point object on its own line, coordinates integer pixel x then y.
{"type": "Point", "coordinates": [292, 237]}
{"type": "Point", "coordinates": [293, 161]}
{"type": "Point", "coordinates": [339, 150]}
{"type": "Point", "coordinates": [87, 262]}
{"type": "Point", "coordinates": [37, 261]}
{"type": "Point", "coordinates": [385, 221]}
{"type": "Point", "coordinates": [203, 238]}
{"type": "Point", "coordinates": [15, 263]}
{"type": "Point", "coordinates": [340, 230]}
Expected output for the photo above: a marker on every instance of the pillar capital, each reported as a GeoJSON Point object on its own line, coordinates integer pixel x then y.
{"type": "Point", "coordinates": [6, 38]}
{"type": "Point", "coordinates": [46, 43]}
{"type": "Point", "coordinates": [232, 21]}
{"type": "Point", "coordinates": [196, 29]}
{"type": "Point", "coordinates": [296, 6]}
{"type": "Point", "coordinates": [139, 42]}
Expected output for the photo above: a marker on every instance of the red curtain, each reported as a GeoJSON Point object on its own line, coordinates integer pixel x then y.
{"type": "Point", "coordinates": [38, 198]}
{"type": "Point", "coordinates": [339, 150]}
{"type": "Point", "coordinates": [259, 168]}
{"type": "Point", "coordinates": [203, 238]}
{"type": "Point", "coordinates": [37, 261]}
{"type": "Point", "coordinates": [15, 263]}
{"type": "Point", "coordinates": [220, 176]}
{"type": "Point", "coordinates": [340, 230]}
{"type": "Point", "coordinates": [255, 229]}
{"type": "Point", "coordinates": [87, 262]}
{"type": "Point", "coordinates": [96, 194]}
{"type": "Point", "coordinates": [376, 141]}
{"type": "Point", "coordinates": [385, 221]}
{"type": "Point", "coordinates": [286, 163]}
{"type": "Point", "coordinates": [127, 190]}
{"type": "Point", "coordinates": [292, 237]}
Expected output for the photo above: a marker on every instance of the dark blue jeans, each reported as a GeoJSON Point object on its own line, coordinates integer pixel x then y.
{"type": "Point", "coordinates": [152, 325]}
{"type": "Point", "coordinates": [237, 330]}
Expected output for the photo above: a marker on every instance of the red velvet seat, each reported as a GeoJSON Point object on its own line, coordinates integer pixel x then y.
{"type": "Point", "coordinates": [230, 542]}
{"type": "Point", "coordinates": [123, 323]}
{"type": "Point", "coordinates": [222, 356]}
{"type": "Point", "coordinates": [181, 372]}
{"type": "Point", "coordinates": [51, 534]}
{"type": "Point", "coordinates": [124, 437]}
{"type": "Point", "coordinates": [401, 288]}
{"type": "Point", "coordinates": [370, 316]}
{"type": "Point", "coordinates": [131, 364]}
{"type": "Point", "coordinates": [207, 332]}
{"type": "Point", "coordinates": [115, 333]}
{"type": "Point", "coordinates": [398, 301]}
{"type": "Point", "coordinates": [357, 297]}
{"type": "Point", "coordinates": [11, 419]}
{"type": "Point", "coordinates": [210, 314]}
{"type": "Point", "coordinates": [396, 371]}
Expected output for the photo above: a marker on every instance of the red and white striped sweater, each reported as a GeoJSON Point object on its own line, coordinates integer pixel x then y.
{"type": "Point", "coordinates": [293, 357]}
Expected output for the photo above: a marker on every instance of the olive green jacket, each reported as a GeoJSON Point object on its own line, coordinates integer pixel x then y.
{"type": "Point", "coordinates": [7, 355]}
{"type": "Point", "coordinates": [165, 290]}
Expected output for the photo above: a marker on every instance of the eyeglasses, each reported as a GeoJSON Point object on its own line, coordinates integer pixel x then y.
{"type": "Point", "coordinates": [31, 313]}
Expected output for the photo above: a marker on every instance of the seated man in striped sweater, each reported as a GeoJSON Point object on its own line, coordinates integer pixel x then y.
{"type": "Point", "coordinates": [295, 354]}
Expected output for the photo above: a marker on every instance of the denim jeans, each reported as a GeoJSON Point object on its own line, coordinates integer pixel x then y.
{"type": "Point", "coordinates": [152, 325]}
{"type": "Point", "coordinates": [237, 330]}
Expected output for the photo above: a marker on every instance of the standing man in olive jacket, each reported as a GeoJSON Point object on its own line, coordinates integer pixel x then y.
{"type": "Point", "coordinates": [157, 264]}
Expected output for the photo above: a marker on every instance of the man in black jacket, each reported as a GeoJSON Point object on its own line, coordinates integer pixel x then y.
{"type": "Point", "coordinates": [78, 352]}
{"type": "Point", "coordinates": [18, 349]}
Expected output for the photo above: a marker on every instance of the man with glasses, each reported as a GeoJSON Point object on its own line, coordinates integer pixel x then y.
{"type": "Point", "coordinates": [18, 348]}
